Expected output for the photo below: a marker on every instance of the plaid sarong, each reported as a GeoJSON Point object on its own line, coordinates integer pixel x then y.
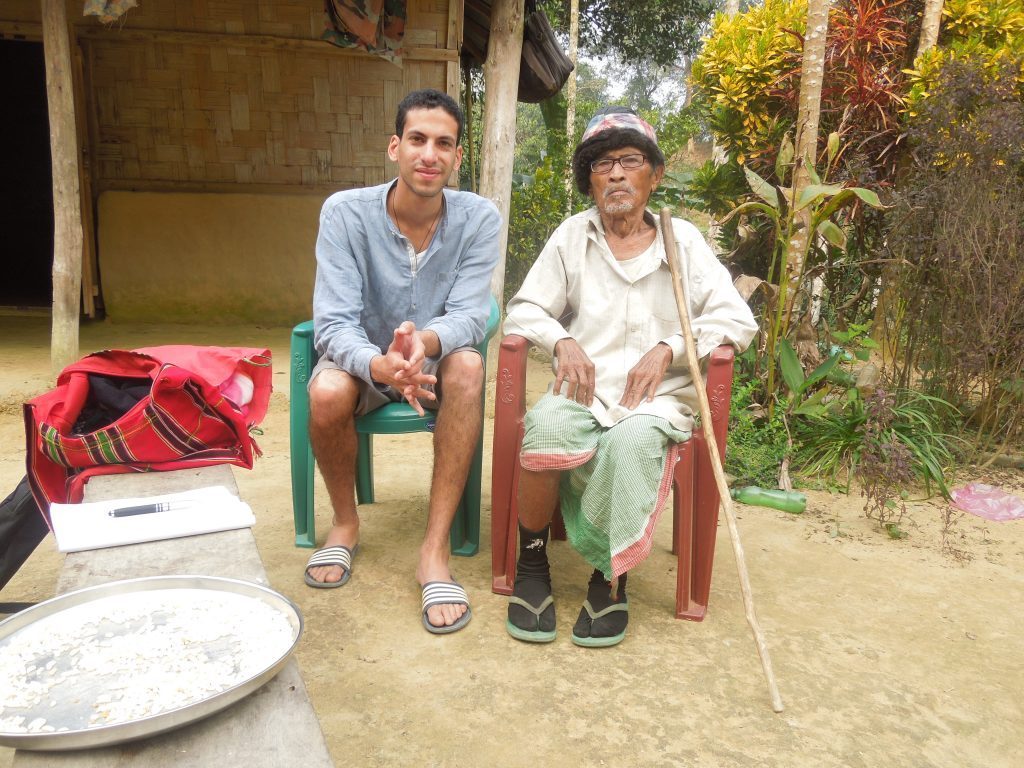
{"type": "Point", "coordinates": [616, 479]}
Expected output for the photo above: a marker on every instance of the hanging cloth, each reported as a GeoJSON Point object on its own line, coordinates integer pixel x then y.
{"type": "Point", "coordinates": [375, 26]}
{"type": "Point", "coordinates": [108, 11]}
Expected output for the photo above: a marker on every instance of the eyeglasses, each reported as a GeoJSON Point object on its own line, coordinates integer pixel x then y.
{"type": "Point", "coordinates": [628, 163]}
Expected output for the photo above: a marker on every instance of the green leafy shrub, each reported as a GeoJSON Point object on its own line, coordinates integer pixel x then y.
{"type": "Point", "coordinates": [675, 128]}
{"type": "Point", "coordinates": [833, 444]}
{"type": "Point", "coordinates": [749, 75]}
{"type": "Point", "coordinates": [757, 443]}
{"type": "Point", "coordinates": [537, 208]}
{"type": "Point", "coordinates": [987, 32]}
{"type": "Point", "coordinates": [739, 68]}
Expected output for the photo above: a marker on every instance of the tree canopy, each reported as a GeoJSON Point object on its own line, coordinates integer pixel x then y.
{"type": "Point", "coordinates": [655, 31]}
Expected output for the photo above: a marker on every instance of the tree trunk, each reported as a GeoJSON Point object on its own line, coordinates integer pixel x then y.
{"type": "Point", "coordinates": [67, 216]}
{"type": "Point", "coordinates": [497, 152]}
{"type": "Point", "coordinates": [930, 23]}
{"type": "Point", "coordinates": [570, 96]}
{"type": "Point", "coordinates": [687, 69]}
{"type": "Point", "coordinates": [732, 7]}
{"type": "Point", "coordinates": [811, 73]}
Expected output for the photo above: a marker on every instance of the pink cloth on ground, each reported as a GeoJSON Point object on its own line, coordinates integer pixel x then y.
{"type": "Point", "coordinates": [988, 501]}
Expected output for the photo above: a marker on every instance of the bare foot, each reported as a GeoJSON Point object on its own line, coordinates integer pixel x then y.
{"type": "Point", "coordinates": [340, 535]}
{"type": "Point", "coordinates": [434, 567]}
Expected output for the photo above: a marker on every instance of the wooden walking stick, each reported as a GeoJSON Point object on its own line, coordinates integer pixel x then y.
{"type": "Point", "coordinates": [716, 459]}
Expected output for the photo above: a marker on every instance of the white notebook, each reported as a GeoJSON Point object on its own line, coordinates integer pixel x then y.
{"type": "Point", "coordinates": [99, 524]}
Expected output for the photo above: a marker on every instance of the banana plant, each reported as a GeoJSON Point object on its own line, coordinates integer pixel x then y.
{"type": "Point", "coordinates": [785, 208]}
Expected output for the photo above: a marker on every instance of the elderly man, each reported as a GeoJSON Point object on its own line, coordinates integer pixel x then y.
{"type": "Point", "coordinates": [401, 296]}
{"type": "Point", "coordinates": [599, 298]}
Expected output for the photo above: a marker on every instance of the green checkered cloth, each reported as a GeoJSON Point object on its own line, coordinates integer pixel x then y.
{"type": "Point", "coordinates": [615, 480]}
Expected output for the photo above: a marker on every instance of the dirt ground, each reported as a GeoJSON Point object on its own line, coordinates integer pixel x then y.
{"type": "Point", "coordinates": [887, 653]}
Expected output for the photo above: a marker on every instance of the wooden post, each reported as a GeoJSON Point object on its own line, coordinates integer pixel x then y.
{"type": "Point", "coordinates": [497, 151]}
{"type": "Point", "coordinates": [67, 214]}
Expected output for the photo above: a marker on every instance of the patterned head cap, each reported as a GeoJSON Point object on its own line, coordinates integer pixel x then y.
{"type": "Point", "coordinates": [606, 120]}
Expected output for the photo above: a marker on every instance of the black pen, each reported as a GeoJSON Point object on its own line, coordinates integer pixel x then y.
{"type": "Point", "coordinates": [145, 509]}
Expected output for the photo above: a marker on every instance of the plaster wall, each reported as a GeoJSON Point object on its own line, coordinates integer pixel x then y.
{"type": "Point", "coordinates": [207, 258]}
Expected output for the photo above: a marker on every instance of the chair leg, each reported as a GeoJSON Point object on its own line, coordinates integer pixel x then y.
{"type": "Point", "coordinates": [302, 496]}
{"type": "Point", "coordinates": [310, 539]}
{"type": "Point", "coordinates": [705, 528]}
{"type": "Point", "coordinates": [364, 468]}
{"type": "Point", "coordinates": [465, 534]}
{"type": "Point", "coordinates": [504, 516]}
{"type": "Point", "coordinates": [301, 450]}
{"type": "Point", "coordinates": [682, 535]}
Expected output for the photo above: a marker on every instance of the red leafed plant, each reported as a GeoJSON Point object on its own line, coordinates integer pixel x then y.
{"type": "Point", "coordinates": [861, 96]}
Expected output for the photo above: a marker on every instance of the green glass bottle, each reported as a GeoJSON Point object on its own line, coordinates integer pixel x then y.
{"type": "Point", "coordinates": [787, 501]}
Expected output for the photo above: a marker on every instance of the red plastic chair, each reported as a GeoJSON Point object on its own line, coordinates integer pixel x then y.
{"type": "Point", "coordinates": [695, 494]}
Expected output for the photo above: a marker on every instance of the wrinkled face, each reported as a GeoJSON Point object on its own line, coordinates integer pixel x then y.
{"type": "Point", "coordinates": [623, 190]}
{"type": "Point", "coordinates": [427, 152]}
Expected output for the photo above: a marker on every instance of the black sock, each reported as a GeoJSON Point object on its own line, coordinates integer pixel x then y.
{"type": "Point", "coordinates": [599, 596]}
{"type": "Point", "coordinates": [533, 545]}
{"type": "Point", "coordinates": [533, 582]}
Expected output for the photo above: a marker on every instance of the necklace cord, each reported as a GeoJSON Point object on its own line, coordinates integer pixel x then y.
{"type": "Point", "coordinates": [430, 230]}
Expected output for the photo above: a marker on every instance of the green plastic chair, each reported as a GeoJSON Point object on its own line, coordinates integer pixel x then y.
{"type": "Point", "coordinates": [392, 419]}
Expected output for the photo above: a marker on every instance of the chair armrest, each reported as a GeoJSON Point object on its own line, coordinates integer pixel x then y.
{"type": "Point", "coordinates": [719, 388]}
{"type": "Point", "coordinates": [511, 394]}
{"type": "Point", "coordinates": [302, 352]}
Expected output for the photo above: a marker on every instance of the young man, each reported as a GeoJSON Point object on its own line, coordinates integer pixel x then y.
{"type": "Point", "coordinates": [600, 442]}
{"type": "Point", "coordinates": [402, 295]}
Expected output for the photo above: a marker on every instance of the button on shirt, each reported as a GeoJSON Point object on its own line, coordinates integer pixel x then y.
{"type": "Point", "coordinates": [618, 314]}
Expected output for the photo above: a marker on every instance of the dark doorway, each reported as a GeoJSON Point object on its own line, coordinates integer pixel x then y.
{"type": "Point", "coordinates": [26, 211]}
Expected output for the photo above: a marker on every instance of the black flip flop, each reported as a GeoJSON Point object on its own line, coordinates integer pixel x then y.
{"type": "Point", "coordinates": [596, 626]}
{"type": "Point", "coordinates": [533, 588]}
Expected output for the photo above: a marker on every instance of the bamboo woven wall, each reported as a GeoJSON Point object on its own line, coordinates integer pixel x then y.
{"type": "Point", "coordinates": [232, 97]}
{"type": "Point", "coordinates": [241, 95]}
{"type": "Point", "coordinates": [244, 110]}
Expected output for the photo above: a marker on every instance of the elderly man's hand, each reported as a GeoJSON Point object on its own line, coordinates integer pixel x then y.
{"type": "Point", "coordinates": [644, 377]}
{"type": "Point", "coordinates": [576, 370]}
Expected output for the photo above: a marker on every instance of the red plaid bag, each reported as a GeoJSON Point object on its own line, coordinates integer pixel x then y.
{"type": "Point", "coordinates": [185, 419]}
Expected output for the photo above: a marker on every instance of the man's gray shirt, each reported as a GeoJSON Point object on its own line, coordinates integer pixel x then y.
{"type": "Point", "coordinates": [366, 285]}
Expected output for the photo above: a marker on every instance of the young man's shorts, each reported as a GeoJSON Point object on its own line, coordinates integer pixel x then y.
{"type": "Point", "coordinates": [372, 397]}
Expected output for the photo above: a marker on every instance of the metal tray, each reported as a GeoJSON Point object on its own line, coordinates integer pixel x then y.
{"type": "Point", "coordinates": [70, 713]}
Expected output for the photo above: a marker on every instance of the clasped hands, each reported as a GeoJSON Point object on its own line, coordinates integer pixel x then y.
{"type": "Point", "coordinates": [401, 366]}
{"type": "Point", "coordinates": [576, 371]}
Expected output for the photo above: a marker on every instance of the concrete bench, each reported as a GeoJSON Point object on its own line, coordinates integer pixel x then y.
{"type": "Point", "coordinates": [274, 726]}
